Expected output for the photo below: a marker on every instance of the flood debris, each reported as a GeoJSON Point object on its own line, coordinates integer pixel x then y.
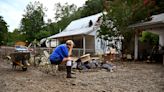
{"type": "Point", "coordinates": [82, 64]}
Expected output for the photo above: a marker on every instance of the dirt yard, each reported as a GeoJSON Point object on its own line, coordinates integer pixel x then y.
{"type": "Point", "coordinates": [129, 77]}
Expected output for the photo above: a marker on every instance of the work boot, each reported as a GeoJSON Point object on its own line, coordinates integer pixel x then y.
{"type": "Point", "coordinates": [69, 72]}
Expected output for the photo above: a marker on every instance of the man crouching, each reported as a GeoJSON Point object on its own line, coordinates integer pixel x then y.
{"type": "Point", "coordinates": [61, 55]}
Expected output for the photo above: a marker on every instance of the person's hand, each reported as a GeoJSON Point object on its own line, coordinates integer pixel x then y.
{"type": "Point", "coordinates": [71, 46]}
{"type": "Point", "coordinates": [70, 58]}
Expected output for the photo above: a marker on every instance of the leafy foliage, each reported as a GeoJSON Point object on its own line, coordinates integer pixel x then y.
{"type": "Point", "coordinates": [33, 26]}
{"type": "Point", "coordinates": [149, 37]}
{"type": "Point", "coordinates": [32, 22]}
{"type": "Point", "coordinates": [15, 36]}
{"type": "Point", "coordinates": [3, 31]}
{"type": "Point", "coordinates": [92, 7]}
{"type": "Point", "coordinates": [64, 11]}
{"type": "Point", "coordinates": [123, 13]}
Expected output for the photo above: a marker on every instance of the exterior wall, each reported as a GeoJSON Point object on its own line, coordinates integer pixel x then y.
{"type": "Point", "coordinates": [93, 43]}
{"type": "Point", "coordinates": [77, 40]}
{"type": "Point", "coordinates": [161, 40]}
{"type": "Point", "coordinates": [52, 43]}
{"type": "Point", "coordinates": [90, 44]}
{"type": "Point", "coordinates": [100, 45]}
{"type": "Point", "coordinates": [98, 49]}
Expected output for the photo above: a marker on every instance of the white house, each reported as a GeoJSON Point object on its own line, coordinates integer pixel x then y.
{"type": "Point", "coordinates": [156, 26]}
{"type": "Point", "coordinates": [84, 34]}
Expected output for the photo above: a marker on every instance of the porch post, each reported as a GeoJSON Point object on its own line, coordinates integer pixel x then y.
{"type": "Point", "coordinates": [161, 39]}
{"type": "Point", "coordinates": [136, 46]}
{"type": "Point", "coordinates": [84, 44]}
{"type": "Point", "coordinates": [163, 59]}
{"type": "Point", "coordinates": [161, 42]}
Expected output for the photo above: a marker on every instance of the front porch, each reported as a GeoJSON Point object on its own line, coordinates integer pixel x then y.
{"type": "Point", "coordinates": [83, 44]}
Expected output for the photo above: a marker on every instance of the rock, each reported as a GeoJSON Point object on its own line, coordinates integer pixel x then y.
{"type": "Point", "coordinates": [104, 91]}
{"type": "Point", "coordinates": [73, 84]}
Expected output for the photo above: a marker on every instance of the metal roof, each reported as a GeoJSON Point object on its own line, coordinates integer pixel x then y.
{"type": "Point", "coordinates": [78, 27]}
{"type": "Point", "coordinates": [72, 32]}
{"type": "Point", "coordinates": [157, 21]}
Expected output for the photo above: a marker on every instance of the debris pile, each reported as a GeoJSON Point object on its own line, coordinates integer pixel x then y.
{"type": "Point", "coordinates": [93, 64]}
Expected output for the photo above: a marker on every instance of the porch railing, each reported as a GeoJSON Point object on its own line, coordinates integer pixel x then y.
{"type": "Point", "coordinates": [79, 52]}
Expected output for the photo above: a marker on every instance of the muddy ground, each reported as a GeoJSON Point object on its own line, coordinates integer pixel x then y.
{"type": "Point", "coordinates": [128, 77]}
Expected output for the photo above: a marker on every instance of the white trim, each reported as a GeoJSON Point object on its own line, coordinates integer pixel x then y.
{"type": "Point", "coordinates": [136, 46]}
{"type": "Point", "coordinates": [84, 45]}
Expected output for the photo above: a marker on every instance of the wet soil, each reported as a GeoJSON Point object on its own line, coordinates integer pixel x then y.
{"type": "Point", "coordinates": [128, 77]}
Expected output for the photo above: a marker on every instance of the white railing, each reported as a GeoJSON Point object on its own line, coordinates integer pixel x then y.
{"type": "Point", "coordinates": [79, 51]}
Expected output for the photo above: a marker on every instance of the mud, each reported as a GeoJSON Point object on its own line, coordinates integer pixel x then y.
{"type": "Point", "coordinates": [128, 77]}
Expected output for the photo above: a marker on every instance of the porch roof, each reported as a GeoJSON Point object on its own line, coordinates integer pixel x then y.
{"type": "Point", "coordinates": [79, 27]}
{"type": "Point", "coordinates": [157, 21]}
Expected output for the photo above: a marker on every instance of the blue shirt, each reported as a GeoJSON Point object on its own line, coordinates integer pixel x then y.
{"type": "Point", "coordinates": [60, 52]}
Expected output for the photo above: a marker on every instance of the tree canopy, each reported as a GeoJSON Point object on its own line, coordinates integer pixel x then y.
{"type": "Point", "coordinates": [3, 31]}
{"type": "Point", "coordinates": [92, 7]}
{"type": "Point", "coordinates": [33, 21]}
{"type": "Point", "coordinates": [33, 25]}
{"type": "Point", "coordinates": [121, 14]}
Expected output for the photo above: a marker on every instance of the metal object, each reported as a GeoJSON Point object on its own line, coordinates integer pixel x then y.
{"type": "Point", "coordinates": [20, 59]}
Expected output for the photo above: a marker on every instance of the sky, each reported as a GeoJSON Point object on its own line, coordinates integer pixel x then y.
{"type": "Point", "coordinates": [12, 10]}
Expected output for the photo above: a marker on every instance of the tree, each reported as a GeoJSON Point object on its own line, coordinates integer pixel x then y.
{"type": "Point", "coordinates": [92, 7]}
{"type": "Point", "coordinates": [15, 36]}
{"type": "Point", "coordinates": [123, 13]}
{"type": "Point", "coordinates": [32, 21]}
{"type": "Point", "coordinates": [158, 5]}
{"type": "Point", "coordinates": [64, 14]}
{"type": "Point", "coordinates": [3, 31]}
{"type": "Point", "coordinates": [64, 11]}
{"type": "Point", "coordinates": [149, 38]}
